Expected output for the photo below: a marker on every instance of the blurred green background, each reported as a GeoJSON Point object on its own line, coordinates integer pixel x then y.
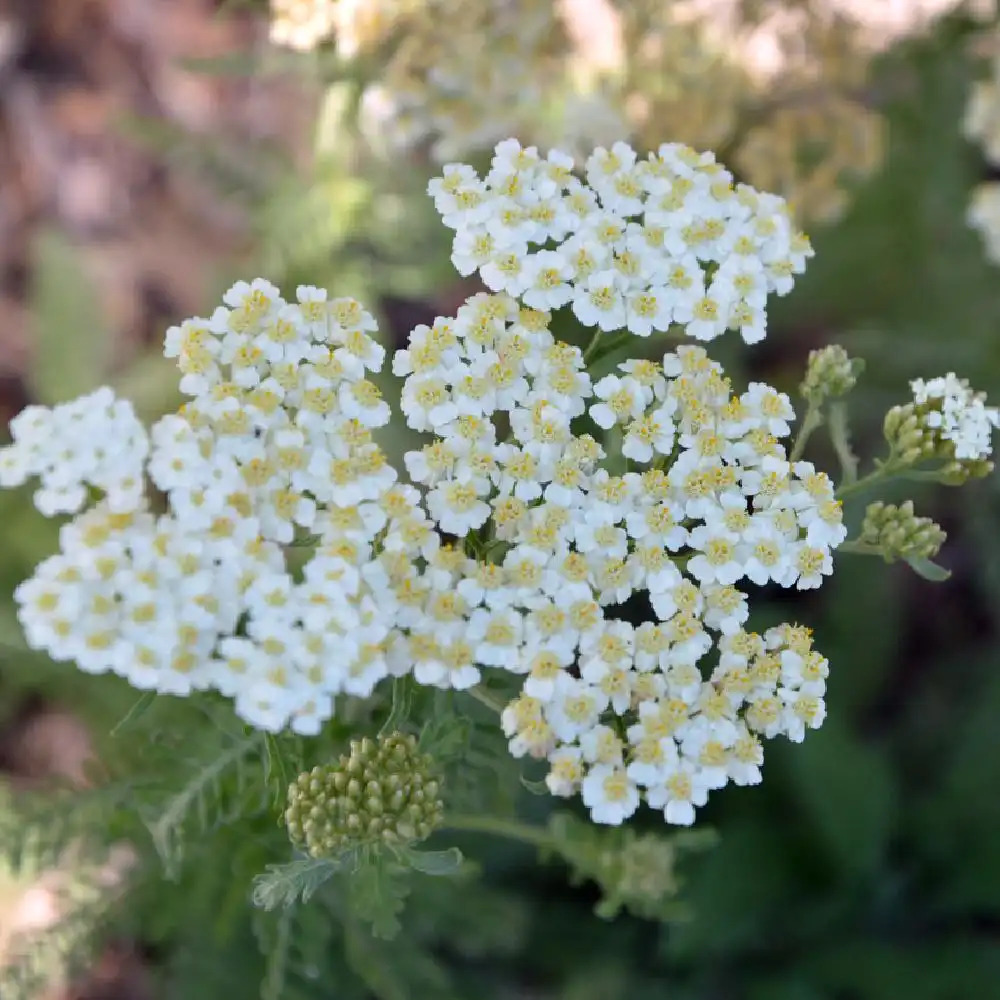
{"type": "Point", "coordinates": [867, 866]}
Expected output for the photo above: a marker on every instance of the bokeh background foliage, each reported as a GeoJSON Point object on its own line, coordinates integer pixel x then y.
{"type": "Point", "coordinates": [867, 866]}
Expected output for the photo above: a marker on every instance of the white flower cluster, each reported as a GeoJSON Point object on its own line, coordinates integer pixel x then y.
{"type": "Point", "coordinates": [621, 712]}
{"type": "Point", "coordinates": [983, 215]}
{"type": "Point", "coordinates": [291, 565]}
{"type": "Point", "coordinates": [438, 90]}
{"type": "Point", "coordinates": [95, 440]}
{"type": "Point", "coordinates": [641, 245]}
{"type": "Point", "coordinates": [302, 24]}
{"type": "Point", "coordinates": [959, 414]}
{"type": "Point", "coordinates": [276, 442]}
{"type": "Point", "coordinates": [424, 88]}
{"type": "Point", "coordinates": [981, 124]}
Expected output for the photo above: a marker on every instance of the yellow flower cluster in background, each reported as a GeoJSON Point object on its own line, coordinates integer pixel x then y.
{"type": "Point", "coordinates": [302, 24]}
{"type": "Point", "coordinates": [778, 87]}
{"type": "Point", "coordinates": [454, 74]}
{"type": "Point", "coordinates": [808, 151]}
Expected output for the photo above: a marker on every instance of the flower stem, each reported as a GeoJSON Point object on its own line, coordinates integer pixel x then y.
{"type": "Point", "coordinates": [592, 346]}
{"type": "Point", "coordinates": [882, 472]}
{"type": "Point", "coordinates": [487, 698]}
{"type": "Point", "coordinates": [810, 422]}
{"type": "Point", "coordinates": [597, 353]}
{"type": "Point", "coordinates": [512, 829]}
{"type": "Point", "coordinates": [859, 548]}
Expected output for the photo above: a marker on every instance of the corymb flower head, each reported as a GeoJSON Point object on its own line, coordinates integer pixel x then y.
{"type": "Point", "coordinates": [542, 499]}
{"type": "Point", "coordinates": [94, 441]}
{"type": "Point", "coordinates": [637, 244]}
{"type": "Point", "coordinates": [957, 416]}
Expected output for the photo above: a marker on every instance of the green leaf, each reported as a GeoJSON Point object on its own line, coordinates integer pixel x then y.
{"type": "Point", "coordinates": [71, 338]}
{"type": "Point", "coordinates": [446, 862]}
{"type": "Point", "coordinates": [150, 382]}
{"type": "Point", "coordinates": [300, 952]}
{"type": "Point", "coordinates": [136, 712]}
{"type": "Point", "coordinates": [535, 787]}
{"type": "Point", "coordinates": [376, 891]}
{"type": "Point", "coordinates": [928, 569]}
{"type": "Point", "coordinates": [401, 970]}
{"type": "Point", "coordinates": [445, 736]}
{"type": "Point", "coordinates": [736, 894]}
{"type": "Point", "coordinates": [217, 789]}
{"type": "Point", "coordinates": [278, 770]}
{"type": "Point", "coordinates": [941, 968]}
{"type": "Point", "coordinates": [848, 790]}
{"type": "Point", "coordinates": [402, 693]}
{"type": "Point", "coordinates": [284, 885]}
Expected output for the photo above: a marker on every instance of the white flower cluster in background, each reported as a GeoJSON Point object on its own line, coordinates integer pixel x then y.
{"type": "Point", "coordinates": [984, 216]}
{"type": "Point", "coordinates": [640, 245]}
{"type": "Point", "coordinates": [438, 89]}
{"type": "Point", "coordinates": [94, 441]}
{"type": "Point", "coordinates": [981, 125]}
{"type": "Point", "coordinates": [422, 87]}
{"type": "Point", "coordinates": [958, 414]}
{"type": "Point", "coordinates": [302, 24]}
{"type": "Point", "coordinates": [981, 122]}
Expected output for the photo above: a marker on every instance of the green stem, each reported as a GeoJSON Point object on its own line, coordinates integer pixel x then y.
{"type": "Point", "coordinates": [593, 354]}
{"type": "Point", "coordinates": [487, 698]}
{"type": "Point", "coordinates": [592, 346]}
{"type": "Point", "coordinates": [859, 548]}
{"type": "Point", "coordinates": [840, 438]}
{"type": "Point", "coordinates": [512, 829]}
{"type": "Point", "coordinates": [810, 422]}
{"type": "Point", "coordinates": [883, 472]}
{"type": "Point", "coordinates": [886, 472]}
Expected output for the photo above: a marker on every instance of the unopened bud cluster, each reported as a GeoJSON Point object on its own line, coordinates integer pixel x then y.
{"type": "Point", "coordinates": [913, 438]}
{"type": "Point", "coordinates": [909, 436]}
{"type": "Point", "coordinates": [899, 534]}
{"type": "Point", "coordinates": [830, 372]}
{"type": "Point", "coordinates": [384, 791]}
{"type": "Point", "coordinates": [646, 874]}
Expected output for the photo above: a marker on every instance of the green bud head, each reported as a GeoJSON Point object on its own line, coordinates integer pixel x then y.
{"type": "Point", "coordinates": [383, 790]}
{"type": "Point", "coordinates": [899, 534]}
{"type": "Point", "coordinates": [830, 373]}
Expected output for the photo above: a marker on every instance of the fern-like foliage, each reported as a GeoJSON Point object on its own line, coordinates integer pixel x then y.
{"type": "Point", "coordinates": [225, 785]}
{"type": "Point", "coordinates": [47, 849]}
{"type": "Point", "coordinates": [634, 871]}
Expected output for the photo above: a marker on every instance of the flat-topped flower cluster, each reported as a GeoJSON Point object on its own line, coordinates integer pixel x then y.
{"type": "Point", "coordinates": [957, 414]}
{"type": "Point", "coordinates": [546, 513]}
{"type": "Point", "coordinates": [638, 245]}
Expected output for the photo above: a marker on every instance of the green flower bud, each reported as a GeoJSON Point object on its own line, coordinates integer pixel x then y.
{"type": "Point", "coordinates": [960, 471]}
{"type": "Point", "coordinates": [913, 438]}
{"type": "Point", "coordinates": [899, 534]}
{"type": "Point", "coordinates": [383, 791]}
{"type": "Point", "coordinates": [830, 372]}
{"type": "Point", "coordinates": [646, 875]}
{"type": "Point", "coordinates": [908, 435]}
